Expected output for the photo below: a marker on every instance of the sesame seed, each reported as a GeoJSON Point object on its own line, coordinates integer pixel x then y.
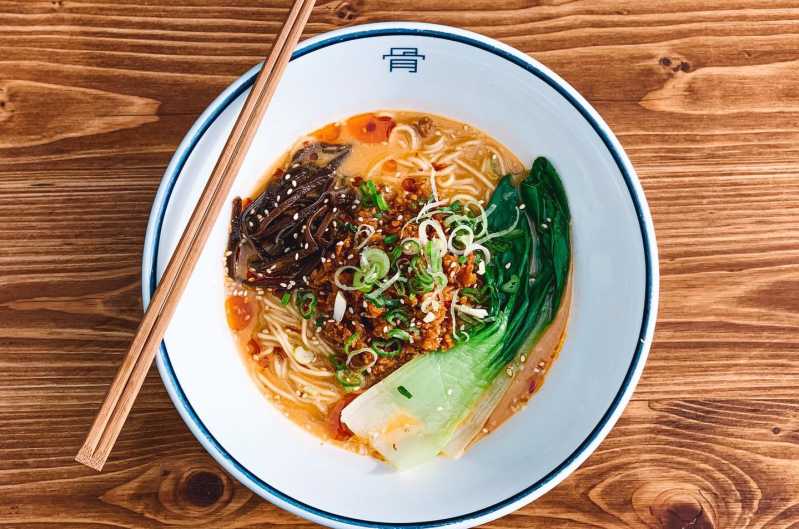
{"type": "Point", "coordinates": [449, 391]}
{"type": "Point", "coordinates": [293, 183]}
{"type": "Point", "coordinates": [295, 235]}
{"type": "Point", "coordinates": [289, 191]}
{"type": "Point", "coordinates": [507, 266]}
{"type": "Point", "coordinates": [296, 257]}
{"type": "Point", "coordinates": [296, 216]}
{"type": "Point", "coordinates": [335, 209]}
{"type": "Point", "coordinates": [522, 206]}
{"type": "Point", "coordinates": [277, 198]}
{"type": "Point", "coordinates": [283, 285]}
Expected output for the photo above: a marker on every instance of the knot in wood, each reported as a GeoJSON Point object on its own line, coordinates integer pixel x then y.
{"type": "Point", "coordinates": [683, 509]}
{"type": "Point", "coordinates": [348, 10]}
{"type": "Point", "coordinates": [202, 488]}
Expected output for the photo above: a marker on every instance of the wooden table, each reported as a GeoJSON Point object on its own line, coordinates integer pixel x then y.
{"type": "Point", "coordinates": [96, 94]}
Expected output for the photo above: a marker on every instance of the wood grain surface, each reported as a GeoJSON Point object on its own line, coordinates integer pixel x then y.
{"type": "Point", "coordinates": [95, 95]}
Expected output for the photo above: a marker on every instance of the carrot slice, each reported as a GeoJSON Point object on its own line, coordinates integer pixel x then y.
{"type": "Point", "coordinates": [328, 133]}
{"type": "Point", "coordinates": [239, 312]}
{"type": "Point", "coordinates": [369, 128]}
{"type": "Point", "coordinates": [390, 166]}
{"type": "Point", "coordinates": [337, 429]}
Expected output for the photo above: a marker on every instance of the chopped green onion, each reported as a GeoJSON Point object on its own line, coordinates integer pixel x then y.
{"type": "Point", "coordinates": [370, 194]}
{"type": "Point", "coordinates": [411, 247]}
{"type": "Point", "coordinates": [422, 282]}
{"type": "Point", "coordinates": [285, 299]}
{"type": "Point", "coordinates": [382, 205]}
{"type": "Point", "coordinates": [473, 294]}
{"type": "Point", "coordinates": [376, 261]}
{"type": "Point", "coordinates": [358, 282]}
{"type": "Point", "coordinates": [391, 303]}
{"type": "Point", "coordinates": [391, 239]}
{"type": "Point", "coordinates": [377, 301]}
{"type": "Point", "coordinates": [395, 254]}
{"type": "Point", "coordinates": [397, 316]}
{"type": "Point", "coordinates": [306, 303]}
{"type": "Point", "coordinates": [404, 392]}
{"type": "Point", "coordinates": [399, 286]}
{"type": "Point", "coordinates": [351, 380]}
{"type": "Point", "coordinates": [367, 189]}
{"type": "Point", "coordinates": [462, 259]}
{"type": "Point", "coordinates": [400, 335]}
{"type": "Point", "coordinates": [336, 363]}
{"type": "Point", "coordinates": [351, 340]}
{"type": "Point", "coordinates": [387, 348]}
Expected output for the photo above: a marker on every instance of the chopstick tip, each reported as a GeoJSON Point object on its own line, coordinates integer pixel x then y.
{"type": "Point", "coordinates": [90, 459]}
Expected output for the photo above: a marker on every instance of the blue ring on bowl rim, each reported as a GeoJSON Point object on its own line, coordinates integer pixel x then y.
{"type": "Point", "coordinates": [241, 85]}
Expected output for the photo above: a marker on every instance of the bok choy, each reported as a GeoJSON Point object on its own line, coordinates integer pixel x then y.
{"type": "Point", "coordinates": [420, 410]}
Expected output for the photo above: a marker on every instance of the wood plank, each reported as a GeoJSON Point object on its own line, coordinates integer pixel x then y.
{"type": "Point", "coordinates": [668, 464]}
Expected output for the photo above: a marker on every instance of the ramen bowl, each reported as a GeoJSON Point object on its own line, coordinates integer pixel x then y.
{"type": "Point", "coordinates": [532, 111]}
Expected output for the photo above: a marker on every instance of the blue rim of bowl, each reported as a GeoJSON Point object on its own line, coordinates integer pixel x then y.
{"type": "Point", "coordinates": [150, 260]}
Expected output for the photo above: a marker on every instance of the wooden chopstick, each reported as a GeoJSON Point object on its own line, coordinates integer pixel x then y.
{"type": "Point", "coordinates": [130, 376]}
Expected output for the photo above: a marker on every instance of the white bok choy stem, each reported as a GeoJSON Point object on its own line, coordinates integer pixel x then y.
{"type": "Point", "coordinates": [411, 415]}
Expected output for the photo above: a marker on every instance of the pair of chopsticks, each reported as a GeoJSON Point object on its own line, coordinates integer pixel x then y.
{"type": "Point", "coordinates": [130, 377]}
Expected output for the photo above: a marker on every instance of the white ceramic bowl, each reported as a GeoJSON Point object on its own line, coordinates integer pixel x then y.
{"type": "Point", "coordinates": [531, 110]}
